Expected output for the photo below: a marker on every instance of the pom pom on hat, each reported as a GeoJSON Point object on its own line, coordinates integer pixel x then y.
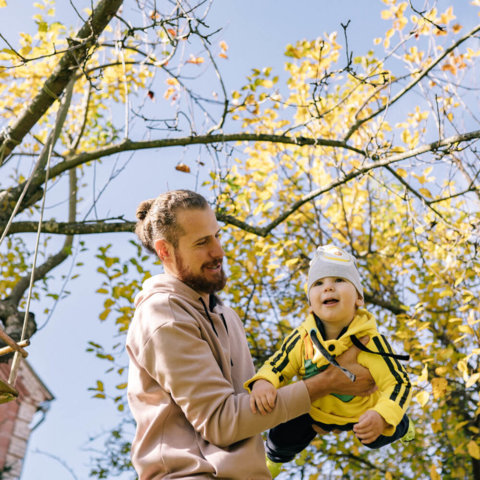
{"type": "Point", "coordinates": [331, 261]}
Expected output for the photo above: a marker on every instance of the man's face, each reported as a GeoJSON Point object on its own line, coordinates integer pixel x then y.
{"type": "Point", "coordinates": [199, 255]}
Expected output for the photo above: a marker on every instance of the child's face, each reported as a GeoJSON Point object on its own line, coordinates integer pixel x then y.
{"type": "Point", "coordinates": [334, 300]}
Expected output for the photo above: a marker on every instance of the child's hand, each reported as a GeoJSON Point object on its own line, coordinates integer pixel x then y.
{"type": "Point", "coordinates": [370, 426]}
{"type": "Point", "coordinates": [263, 397]}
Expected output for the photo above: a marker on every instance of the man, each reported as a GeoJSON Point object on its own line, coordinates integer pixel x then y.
{"type": "Point", "coordinates": [189, 358]}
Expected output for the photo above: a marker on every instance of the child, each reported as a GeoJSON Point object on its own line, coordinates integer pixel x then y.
{"type": "Point", "coordinates": [335, 294]}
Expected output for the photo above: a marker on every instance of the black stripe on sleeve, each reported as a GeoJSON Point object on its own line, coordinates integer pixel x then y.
{"type": "Point", "coordinates": [395, 373]}
{"type": "Point", "coordinates": [401, 369]}
{"type": "Point", "coordinates": [280, 361]}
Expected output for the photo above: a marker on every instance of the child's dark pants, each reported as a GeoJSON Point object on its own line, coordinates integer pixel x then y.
{"type": "Point", "coordinates": [287, 439]}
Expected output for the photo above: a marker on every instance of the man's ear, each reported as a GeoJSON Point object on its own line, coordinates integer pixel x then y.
{"type": "Point", "coordinates": [163, 249]}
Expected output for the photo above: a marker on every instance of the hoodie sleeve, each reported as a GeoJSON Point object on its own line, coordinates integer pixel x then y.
{"type": "Point", "coordinates": [182, 362]}
{"type": "Point", "coordinates": [283, 365]}
{"type": "Point", "coordinates": [392, 381]}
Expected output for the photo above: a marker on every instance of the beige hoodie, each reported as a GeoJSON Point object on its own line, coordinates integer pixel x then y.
{"type": "Point", "coordinates": [185, 389]}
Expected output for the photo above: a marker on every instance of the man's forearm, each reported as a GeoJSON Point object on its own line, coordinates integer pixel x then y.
{"type": "Point", "coordinates": [333, 380]}
{"type": "Point", "coordinates": [319, 385]}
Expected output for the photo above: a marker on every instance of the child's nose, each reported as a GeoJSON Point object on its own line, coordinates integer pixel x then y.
{"type": "Point", "coordinates": [328, 286]}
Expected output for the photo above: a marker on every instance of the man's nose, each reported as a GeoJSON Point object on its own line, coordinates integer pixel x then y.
{"type": "Point", "coordinates": [217, 250]}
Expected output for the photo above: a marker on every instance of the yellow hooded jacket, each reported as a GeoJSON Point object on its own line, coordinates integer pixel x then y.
{"type": "Point", "coordinates": [299, 357]}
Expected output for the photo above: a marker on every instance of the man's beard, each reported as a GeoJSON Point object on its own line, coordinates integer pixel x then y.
{"type": "Point", "coordinates": [199, 282]}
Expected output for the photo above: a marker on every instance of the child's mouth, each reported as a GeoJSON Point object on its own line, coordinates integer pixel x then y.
{"type": "Point", "coordinates": [330, 301]}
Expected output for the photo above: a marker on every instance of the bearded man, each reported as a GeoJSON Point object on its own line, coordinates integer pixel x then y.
{"type": "Point", "coordinates": [189, 358]}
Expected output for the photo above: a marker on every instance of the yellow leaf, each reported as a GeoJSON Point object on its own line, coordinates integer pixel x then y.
{"type": "Point", "coordinates": [425, 192]}
{"type": "Point", "coordinates": [386, 14]}
{"type": "Point", "coordinates": [465, 329]}
{"type": "Point", "coordinates": [471, 381]}
{"type": "Point", "coordinates": [424, 375]}
{"type": "Point", "coordinates": [291, 262]}
{"type": "Point", "coordinates": [439, 387]}
{"type": "Point", "coordinates": [456, 28]}
{"type": "Point", "coordinates": [3, 3]}
{"type": "Point", "coordinates": [402, 172]}
{"type": "Point", "coordinates": [422, 398]}
{"type": "Point", "coordinates": [434, 474]}
{"type": "Point", "coordinates": [460, 425]}
{"type": "Point", "coordinates": [473, 449]}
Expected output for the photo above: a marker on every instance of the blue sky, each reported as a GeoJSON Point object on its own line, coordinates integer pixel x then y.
{"type": "Point", "coordinates": [256, 32]}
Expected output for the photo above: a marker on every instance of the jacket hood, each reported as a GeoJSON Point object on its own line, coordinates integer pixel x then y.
{"type": "Point", "coordinates": [363, 322]}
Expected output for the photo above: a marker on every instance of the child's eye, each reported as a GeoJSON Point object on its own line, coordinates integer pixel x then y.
{"type": "Point", "coordinates": [339, 280]}
{"type": "Point", "coordinates": [318, 282]}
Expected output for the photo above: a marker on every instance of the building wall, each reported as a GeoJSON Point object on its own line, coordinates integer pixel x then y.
{"type": "Point", "coordinates": [16, 417]}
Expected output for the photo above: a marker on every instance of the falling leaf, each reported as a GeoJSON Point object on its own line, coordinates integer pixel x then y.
{"type": "Point", "coordinates": [195, 60]}
{"type": "Point", "coordinates": [151, 95]}
{"type": "Point", "coordinates": [181, 167]}
{"type": "Point", "coordinates": [154, 15]}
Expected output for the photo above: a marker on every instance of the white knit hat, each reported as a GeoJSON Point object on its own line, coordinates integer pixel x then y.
{"type": "Point", "coordinates": [331, 261]}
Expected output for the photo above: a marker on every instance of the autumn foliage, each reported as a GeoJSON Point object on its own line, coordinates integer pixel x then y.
{"type": "Point", "coordinates": [374, 151]}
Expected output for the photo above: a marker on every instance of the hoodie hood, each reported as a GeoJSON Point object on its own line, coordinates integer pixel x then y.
{"type": "Point", "coordinates": [168, 284]}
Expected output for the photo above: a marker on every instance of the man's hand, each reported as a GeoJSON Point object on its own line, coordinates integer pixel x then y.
{"type": "Point", "coordinates": [370, 426]}
{"type": "Point", "coordinates": [263, 397]}
{"type": "Point", "coordinates": [333, 380]}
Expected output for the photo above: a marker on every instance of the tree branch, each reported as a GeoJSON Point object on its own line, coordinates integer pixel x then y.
{"type": "Point", "coordinates": [430, 147]}
{"type": "Point", "coordinates": [128, 145]}
{"type": "Point", "coordinates": [414, 82]}
{"type": "Point", "coordinates": [71, 228]}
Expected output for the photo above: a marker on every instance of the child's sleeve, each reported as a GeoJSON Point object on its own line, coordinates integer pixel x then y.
{"type": "Point", "coordinates": [392, 381]}
{"type": "Point", "coordinates": [283, 365]}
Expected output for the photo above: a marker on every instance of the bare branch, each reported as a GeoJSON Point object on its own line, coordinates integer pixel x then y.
{"type": "Point", "coordinates": [71, 228]}
{"type": "Point", "coordinates": [420, 75]}
{"type": "Point", "coordinates": [128, 145]}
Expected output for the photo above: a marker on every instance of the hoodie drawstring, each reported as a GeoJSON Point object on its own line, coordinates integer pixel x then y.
{"type": "Point", "coordinates": [212, 302]}
{"type": "Point", "coordinates": [208, 316]}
